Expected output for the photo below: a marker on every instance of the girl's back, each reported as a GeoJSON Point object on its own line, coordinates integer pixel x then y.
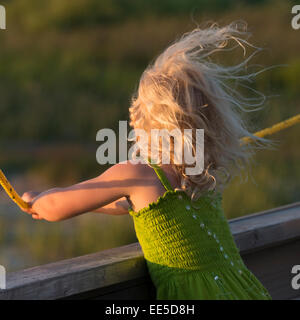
{"type": "Point", "coordinates": [147, 187]}
{"type": "Point", "coordinates": [189, 249]}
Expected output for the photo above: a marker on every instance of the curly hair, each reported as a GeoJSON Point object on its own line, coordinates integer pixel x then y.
{"type": "Point", "coordinates": [185, 89]}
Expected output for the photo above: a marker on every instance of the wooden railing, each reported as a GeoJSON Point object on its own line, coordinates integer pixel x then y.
{"type": "Point", "coordinates": [269, 243]}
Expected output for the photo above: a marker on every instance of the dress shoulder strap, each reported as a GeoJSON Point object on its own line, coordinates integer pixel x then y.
{"type": "Point", "coordinates": [161, 176]}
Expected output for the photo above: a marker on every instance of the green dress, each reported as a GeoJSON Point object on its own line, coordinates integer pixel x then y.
{"type": "Point", "coordinates": [189, 249]}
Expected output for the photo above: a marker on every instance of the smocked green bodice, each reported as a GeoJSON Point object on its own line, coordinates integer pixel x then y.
{"type": "Point", "coordinates": [180, 236]}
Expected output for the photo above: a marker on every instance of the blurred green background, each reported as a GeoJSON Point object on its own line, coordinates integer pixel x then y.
{"type": "Point", "coordinates": [68, 69]}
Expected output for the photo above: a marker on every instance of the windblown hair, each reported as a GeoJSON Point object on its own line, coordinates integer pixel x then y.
{"type": "Point", "coordinates": [184, 89]}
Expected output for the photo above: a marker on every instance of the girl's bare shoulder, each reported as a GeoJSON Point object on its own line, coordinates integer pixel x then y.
{"type": "Point", "coordinates": [134, 169]}
{"type": "Point", "coordinates": [145, 173]}
{"type": "Point", "coordinates": [134, 175]}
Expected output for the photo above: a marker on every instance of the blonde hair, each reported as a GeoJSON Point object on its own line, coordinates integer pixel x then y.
{"type": "Point", "coordinates": [184, 89]}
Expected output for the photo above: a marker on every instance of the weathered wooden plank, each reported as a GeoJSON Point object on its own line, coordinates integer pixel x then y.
{"type": "Point", "coordinates": [80, 274]}
{"type": "Point", "coordinates": [267, 228]}
{"type": "Point", "coordinates": [137, 289]}
{"type": "Point", "coordinates": [273, 265]}
{"type": "Point", "coordinates": [122, 271]}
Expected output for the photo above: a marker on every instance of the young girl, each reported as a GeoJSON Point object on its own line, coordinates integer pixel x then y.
{"type": "Point", "coordinates": [178, 218]}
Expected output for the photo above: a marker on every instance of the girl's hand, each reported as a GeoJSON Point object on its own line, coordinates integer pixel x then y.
{"type": "Point", "coordinates": [29, 197]}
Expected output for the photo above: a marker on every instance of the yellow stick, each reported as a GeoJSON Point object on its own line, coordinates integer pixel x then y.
{"type": "Point", "coordinates": [11, 192]}
{"type": "Point", "coordinates": [275, 128]}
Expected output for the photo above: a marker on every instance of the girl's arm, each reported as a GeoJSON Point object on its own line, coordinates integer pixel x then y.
{"type": "Point", "coordinates": [117, 207]}
{"type": "Point", "coordinates": [62, 203]}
